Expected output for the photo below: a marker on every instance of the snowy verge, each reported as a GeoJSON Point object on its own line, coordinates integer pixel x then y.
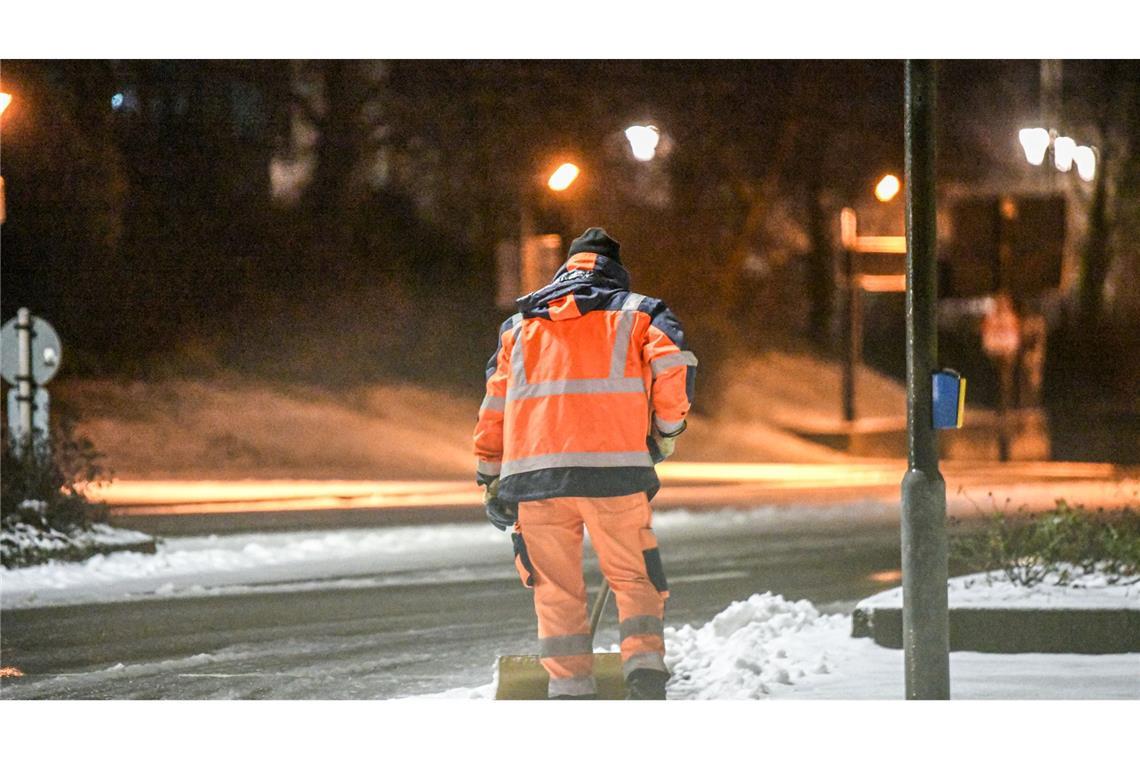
{"type": "Point", "coordinates": [768, 647]}
{"type": "Point", "coordinates": [245, 563]}
{"type": "Point", "coordinates": [23, 545]}
{"type": "Point", "coordinates": [993, 590]}
{"type": "Point", "coordinates": [752, 649]}
{"type": "Point", "coordinates": [359, 557]}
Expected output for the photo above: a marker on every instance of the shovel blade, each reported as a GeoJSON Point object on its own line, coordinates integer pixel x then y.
{"type": "Point", "coordinates": [523, 677]}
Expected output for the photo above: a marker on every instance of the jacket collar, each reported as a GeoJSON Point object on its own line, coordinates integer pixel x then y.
{"type": "Point", "coordinates": [590, 277]}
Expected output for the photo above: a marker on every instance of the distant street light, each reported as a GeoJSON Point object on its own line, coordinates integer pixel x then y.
{"type": "Point", "coordinates": [1063, 148]}
{"type": "Point", "coordinates": [5, 100]}
{"type": "Point", "coordinates": [563, 177]}
{"type": "Point", "coordinates": [1085, 159]}
{"type": "Point", "coordinates": [643, 141]}
{"type": "Point", "coordinates": [1036, 142]}
{"type": "Point", "coordinates": [887, 188]}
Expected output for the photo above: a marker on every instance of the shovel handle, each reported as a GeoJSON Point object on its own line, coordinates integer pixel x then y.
{"type": "Point", "coordinates": [599, 608]}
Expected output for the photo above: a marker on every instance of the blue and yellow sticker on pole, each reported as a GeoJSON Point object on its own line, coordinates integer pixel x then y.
{"type": "Point", "coordinates": [949, 408]}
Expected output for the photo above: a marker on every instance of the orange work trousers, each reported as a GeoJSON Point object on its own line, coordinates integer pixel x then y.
{"type": "Point", "coordinates": [550, 558]}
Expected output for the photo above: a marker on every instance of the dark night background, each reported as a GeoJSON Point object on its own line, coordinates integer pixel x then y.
{"type": "Point", "coordinates": [335, 222]}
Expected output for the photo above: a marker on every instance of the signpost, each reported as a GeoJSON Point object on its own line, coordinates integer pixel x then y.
{"type": "Point", "coordinates": [30, 354]}
{"type": "Point", "coordinates": [926, 638]}
{"type": "Point", "coordinates": [872, 264]}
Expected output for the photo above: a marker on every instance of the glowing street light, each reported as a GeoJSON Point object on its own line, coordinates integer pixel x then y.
{"type": "Point", "coordinates": [5, 100]}
{"type": "Point", "coordinates": [643, 141]}
{"type": "Point", "coordinates": [887, 188]}
{"type": "Point", "coordinates": [1035, 143]}
{"type": "Point", "coordinates": [1063, 148]}
{"type": "Point", "coordinates": [1085, 159]}
{"type": "Point", "coordinates": [563, 177]}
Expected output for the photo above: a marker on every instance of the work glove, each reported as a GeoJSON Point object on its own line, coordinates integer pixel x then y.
{"type": "Point", "coordinates": [502, 514]}
{"type": "Point", "coordinates": [662, 446]}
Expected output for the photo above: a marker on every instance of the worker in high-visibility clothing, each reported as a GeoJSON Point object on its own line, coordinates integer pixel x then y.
{"type": "Point", "coordinates": [588, 389]}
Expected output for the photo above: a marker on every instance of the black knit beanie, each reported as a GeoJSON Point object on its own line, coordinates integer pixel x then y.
{"type": "Point", "coordinates": [595, 240]}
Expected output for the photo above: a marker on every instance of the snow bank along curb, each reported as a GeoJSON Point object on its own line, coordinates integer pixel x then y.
{"type": "Point", "coordinates": [1094, 615]}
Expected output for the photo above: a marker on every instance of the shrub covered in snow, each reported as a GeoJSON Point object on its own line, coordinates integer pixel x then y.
{"type": "Point", "coordinates": [44, 513]}
{"type": "Point", "coordinates": [22, 544]}
{"type": "Point", "coordinates": [1056, 547]}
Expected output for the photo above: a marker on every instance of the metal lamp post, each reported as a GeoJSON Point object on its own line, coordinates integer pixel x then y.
{"type": "Point", "coordinates": [926, 639]}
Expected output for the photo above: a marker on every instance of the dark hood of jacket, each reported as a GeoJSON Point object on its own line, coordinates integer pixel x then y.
{"type": "Point", "coordinates": [592, 288]}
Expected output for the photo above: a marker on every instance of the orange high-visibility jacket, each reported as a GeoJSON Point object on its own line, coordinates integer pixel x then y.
{"type": "Point", "coordinates": [580, 375]}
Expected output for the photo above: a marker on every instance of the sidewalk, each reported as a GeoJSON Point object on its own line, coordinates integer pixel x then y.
{"type": "Point", "coordinates": [766, 647]}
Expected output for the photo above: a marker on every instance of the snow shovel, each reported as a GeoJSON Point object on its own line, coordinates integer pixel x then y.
{"type": "Point", "coordinates": [521, 676]}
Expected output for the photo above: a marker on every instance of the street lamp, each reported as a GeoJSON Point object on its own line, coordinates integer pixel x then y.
{"type": "Point", "coordinates": [5, 101]}
{"type": "Point", "coordinates": [1063, 148]}
{"type": "Point", "coordinates": [887, 188]}
{"type": "Point", "coordinates": [1085, 159]}
{"type": "Point", "coordinates": [1036, 141]}
{"type": "Point", "coordinates": [643, 140]}
{"type": "Point", "coordinates": [563, 177]}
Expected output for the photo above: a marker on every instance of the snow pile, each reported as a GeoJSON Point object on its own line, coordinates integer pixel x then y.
{"type": "Point", "coordinates": [750, 649]}
{"type": "Point", "coordinates": [993, 589]}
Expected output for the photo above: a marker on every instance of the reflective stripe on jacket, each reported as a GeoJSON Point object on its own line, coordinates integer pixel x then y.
{"type": "Point", "coordinates": [579, 376]}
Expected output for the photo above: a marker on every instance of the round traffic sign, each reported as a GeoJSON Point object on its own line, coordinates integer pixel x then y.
{"type": "Point", "coordinates": [46, 351]}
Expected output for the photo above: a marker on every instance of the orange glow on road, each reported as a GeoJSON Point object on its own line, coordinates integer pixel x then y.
{"type": "Point", "coordinates": [687, 483]}
{"type": "Point", "coordinates": [151, 492]}
{"type": "Point", "coordinates": [886, 576]}
{"type": "Point", "coordinates": [783, 475]}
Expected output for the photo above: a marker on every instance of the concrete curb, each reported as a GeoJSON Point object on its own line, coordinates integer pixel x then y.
{"type": "Point", "coordinates": [1015, 630]}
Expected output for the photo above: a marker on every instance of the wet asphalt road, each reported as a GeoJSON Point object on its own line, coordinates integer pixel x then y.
{"type": "Point", "coordinates": [414, 638]}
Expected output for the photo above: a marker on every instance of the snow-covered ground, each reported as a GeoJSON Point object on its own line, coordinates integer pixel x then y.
{"type": "Point", "coordinates": [246, 562]}
{"type": "Point", "coordinates": [240, 563]}
{"type": "Point", "coordinates": [764, 646]}
{"type": "Point", "coordinates": [769, 647]}
{"type": "Point", "coordinates": [232, 427]}
{"type": "Point", "coordinates": [993, 589]}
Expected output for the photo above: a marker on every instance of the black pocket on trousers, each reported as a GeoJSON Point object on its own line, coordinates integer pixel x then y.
{"type": "Point", "coordinates": [655, 570]}
{"type": "Point", "coordinates": [522, 560]}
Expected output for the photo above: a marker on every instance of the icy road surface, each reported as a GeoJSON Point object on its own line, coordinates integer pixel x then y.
{"type": "Point", "coordinates": [407, 611]}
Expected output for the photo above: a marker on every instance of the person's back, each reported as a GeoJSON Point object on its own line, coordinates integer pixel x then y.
{"type": "Point", "coordinates": [588, 388]}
